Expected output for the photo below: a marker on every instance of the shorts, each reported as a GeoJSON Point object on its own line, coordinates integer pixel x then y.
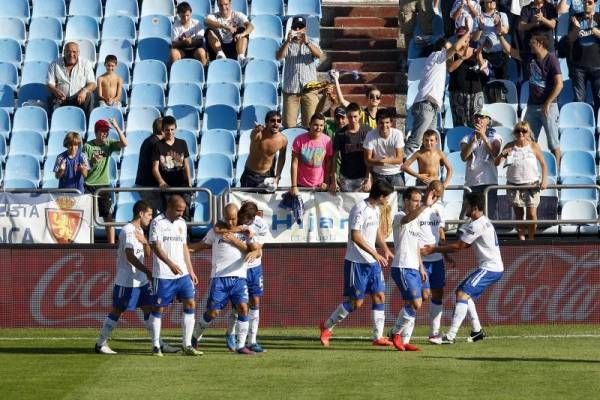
{"type": "Point", "coordinates": [436, 274]}
{"type": "Point", "coordinates": [223, 290]}
{"type": "Point", "coordinates": [478, 281]}
{"type": "Point", "coordinates": [350, 185]}
{"type": "Point", "coordinates": [129, 298]}
{"type": "Point", "coordinates": [529, 198]}
{"type": "Point", "coordinates": [255, 281]}
{"type": "Point", "coordinates": [254, 179]}
{"type": "Point", "coordinates": [409, 282]}
{"type": "Point", "coordinates": [167, 289]}
{"type": "Point", "coordinates": [362, 279]}
{"type": "Point", "coordinates": [189, 52]}
{"type": "Point", "coordinates": [104, 200]}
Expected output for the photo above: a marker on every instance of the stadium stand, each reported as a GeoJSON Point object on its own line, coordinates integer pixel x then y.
{"type": "Point", "coordinates": [187, 70]}
{"type": "Point", "coordinates": [9, 75]}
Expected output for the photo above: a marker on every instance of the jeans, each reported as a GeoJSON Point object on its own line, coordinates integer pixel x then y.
{"type": "Point", "coordinates": [424, 117]}
{"type": "Point", "coordinates": [536, 119]}
{"type": "Point", "coordinates": [582, 75]}
{"type": "Point", "coordinates": [394, 180]}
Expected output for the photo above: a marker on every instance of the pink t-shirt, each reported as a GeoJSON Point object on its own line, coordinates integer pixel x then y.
{"type": "Point", "coordinates": [311, 158]}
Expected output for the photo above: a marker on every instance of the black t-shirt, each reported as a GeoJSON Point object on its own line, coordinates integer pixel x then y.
{"type": "Point", "coordinates": [144, 175]}
{"type": "Point", "coordinates": [467, 78]}
{"type": "Point", "coordinates": [542, 78]}
{"type": "Point", "coordinates": [586, 48]}
{"type": "Point", "coordinates": [548, 10]}
{"type": "Point", "coordinates": [350, 146]}
{"type": "Point", "coordinates": [171, 162]}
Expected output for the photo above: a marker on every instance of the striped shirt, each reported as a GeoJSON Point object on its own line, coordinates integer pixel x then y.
{"type": "Point", "coordinates": [300, 67]}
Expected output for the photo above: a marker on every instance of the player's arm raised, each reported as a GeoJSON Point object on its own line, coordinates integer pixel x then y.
{"type": "Point", "coordinates": [157, 249]}
{"type": "Point", "coordinates": [430, 198]}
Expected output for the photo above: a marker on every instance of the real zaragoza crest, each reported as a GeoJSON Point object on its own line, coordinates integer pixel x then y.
{"type": "Point", "coordinates": [64, 222]}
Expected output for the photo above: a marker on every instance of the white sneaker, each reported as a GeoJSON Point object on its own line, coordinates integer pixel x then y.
{"type": "Point", "coordinates": [167, 348]}
{"type": "Point", "coordinates": [103, 350]}
{"type": "Point", "coordinates": [220, 55]}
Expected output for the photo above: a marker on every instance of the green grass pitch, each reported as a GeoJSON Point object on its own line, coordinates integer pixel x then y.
{"type": "Point", "coordinates": [516, 362]}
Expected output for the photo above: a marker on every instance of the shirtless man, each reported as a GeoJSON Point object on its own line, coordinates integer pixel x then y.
{"type": "Point", "coordinates": [429, 159]}
{"type": "Point", "coordinates": [265, 142]}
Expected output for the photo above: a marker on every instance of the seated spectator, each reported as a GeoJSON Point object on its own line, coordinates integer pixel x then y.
{"type": "Point", "coordinates": [187, 37]}
{"type": "Point", "coordinates": [429, 159]}
{"type": "Point", "coordinates": [464, 13]}
{"type": "Point", "coordinates": [384, 150]}
{"type": "Point", "coordinates": [491, 21]}
{"type": "Point", "coordinates": [574, 7]}
{"type": "Point", "coordinates": [71, 166]}
{"type": "Point", "coordinates": [369, 113]}
{"type": "Point", "coordinates": [110, 84]}
{"type": "Point", "coordinates": [311, 157]}
{"type": "Point", "coordinates": [539, 18]}
{"type": "Point", "coordinates": [71, 80]}
{"type": "Point", "coordinates": [300, 55]}
{"type": "Point", "coordinates": [228, 32]}
{"type": "Point", "coordinates": [144, 176]}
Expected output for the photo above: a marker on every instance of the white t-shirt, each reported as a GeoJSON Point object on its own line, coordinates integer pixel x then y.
{"type": "Point", "coordinates": [171, 236]}
{"type": "Point", "coordinates": [236, 19]}
{"type": "Point", "coordinates": [194, 31]}
{"type": "Point", "coordinates": [407, 240]}
{"type": "Point", "coordinates": [431, 220]}
{"type": "Point", "coordinates": [227, 260]}
{"type": "Point", "coordinates": [127, 274]}
{"type": "Point", "coordinates": [365, 219]}
{"type": "Point", "coordinates": [433, 82]}
{"type": "Point", "coordinates": [260, 229]}
{"type": "Point", "coordinates": [385, 147]}
{"type": "Point", "coordinates": [482, 235]}
{"type": "Point", "coordinates": [481, 169]}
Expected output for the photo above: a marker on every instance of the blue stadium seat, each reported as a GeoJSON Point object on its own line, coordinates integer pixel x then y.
{"type": "Point", "coordinates": [158, 7]}
{"type": "Point", "coordinates": [577, 163]}
{"type": "Point", "coordinates": [505, 133]}
{"type": "Point", "coordinates": [579, 209]}
{"type": "Point", "coordinates": [237, 5]}
{"type": "Point", "coordinates": [244, 143]}
{"type": "Point", "coordinates": [187, 117]}
{"type": "Point", "coordinates": [49, 180]}
{"type": "Point", "coordinates": [82, 27]}
{"type": "Point", "coordinates": [129, 166]}
{"type": "Point", "coordinates": [502, 113]}
{"type": "Point", "coordinates": [454, 136]}
{"type": "Point", "coordinates": [120, 48]}
{"type": "Point", "coordinates": [416, 69]}
{"type": "Point", "coordinates": [105, 113]}
{"type": "Point", "coordinates": [267, 26]}
{"type": "Point", "coordinates": [141, 118]}
{"type": "Point", "coordinates": [3, 152]}
{"type": "Point", "coordinates": [577, 139]}
{"type": "Point", "coordinates": [28, 143]}
{"type": "Point", "coordinates": [200, 8]}
{"type": "Point", "coordinates": [186, 94]}
{"type": "Point", "coordinates": [262, 94]}
{"type": "Point", "coordinates": [55, 143]}
{"type": "Point", "coordinates": [5, 124]}
{"type": "Point", "coordinates": [19, 183]}
{"type": "Point", "coordinates": [291, 134]}
{"type": "Point", "coordinates": [147, 94]}
{"type": "Point", "coordinates": [239, 167]}
{"type": "Point", "coordinates": [7, 98]}
{"type": "Point", "coordinates": [30, 118]}
{"type": "Point", "coordinates": [134, 141]}
{"type": "Point", "coordinates": [15, 8]}
{"type": "Point", "coordinates": [304, 7]}
{"type": "Point", "coordinates": [90, 8]}
{"type": "Point", "coordinates": [124, 211]}
{"type": "Point", "coordinates": [155, 26]}
{"type": "Point", "coordinates": [218, 186]}
{"type": "Point", "coordinates": [263, 49]}
{"type": "Point", "coordinates": [512, 95]}
{"type": "Point", "coordinates": [589, 194]}
{"type": "Point", "coordinates": [192, 144]}
{"type": "Point", "coordinates": [33, 93]}
{"type": "Point", "coordinates": [34, 72]}
{"type": "Point", "coordinates": [46, 28]}
{"type": "Point", "coordinates": [219, 116]}
{"type": "Point", "coordinates": [9, 75]}
{"type": "Point", "coordinates": [261, 71]}
{"type": "Point", "coordinates": [122, 70]}
{"type": "Point", "coordinates": [201, 208]}
{"type": "Point", "coordinates": [223, 93]}
{"type": "Point", "coordinates": [224, 70]}
{"type": "Point", "coordinates": [150, 71]}
{"type": "Point", "coordinates": [154, 49]}
{"type": "Point", "coordinates": [128, 197]}
{"type": "Point", "coordinates": [87, 50]}
{"type": "Point", "coordinates": [10, 51]}
{"type": "Point", "coordinates": [215, 166]}
{"type": "Point", "coordinates": [41, 50]}
{"type": "Point", "coordinates": [251, 115]}
{"type": "Point", "coordinates": [219, 141]}
{"type": "Point", "coordinates": [187, 70]}
{"type": "Point", "coordinates": [127, 8]}
{"type": "Point", "coordinates": [69, 119]}
{"type": "Point", "coordinates": [459, 166]}
{"type": "Point", "coordinates": [550, 165]}
{"type": "Point", "coordinates": [12, 28]}
{"type": "Point", "coordinates": [577, 114]}
{"type": "Point", "coordinates": [267, 7]}
{"type": "Point", "coordinates": [119, 27]}
{"type": "Point", "coordinates": [411, 93]}
{"type": "Point", "coordinates": [50, 8]}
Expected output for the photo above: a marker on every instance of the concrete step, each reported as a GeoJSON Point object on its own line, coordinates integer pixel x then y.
{"type": "Point", "coordinates": [330, 13]}
{"type": "Point", "coordinates": [372, 78]}
{"type": "Point", "coordinates": [359, 33]}
{"type": "Point", "coordinates": [364, 22]}
{"type": "Point", "coordinates": [367, 66]}
{"type": "Point", "coordinates": [363, 43]}
{"type": "Point", "coordinates": [387, 100]}
{"type": "Point", "coordinates": [361, 88]}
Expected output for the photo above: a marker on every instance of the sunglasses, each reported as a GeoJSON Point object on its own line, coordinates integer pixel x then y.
{"type": "Point", "coordinates": [521, 131]}
{"type": "Point", "coordinates": [277, 120]}
{"type": "Point", "coordinates": [374, 97]}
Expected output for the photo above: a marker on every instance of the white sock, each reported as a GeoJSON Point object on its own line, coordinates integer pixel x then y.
{"type": "Point", "coordinates": [220, 54]}
{"type": "Point", "coordinates": [107, 327]}
{"type": "Point", "coordinates": [150, 329]}
{"type": "Point", "coordinates": [460, 312]}
{"type": "Point", "coordinates": [407, 331]}
{"type": "Point", "coordinates": [435, 313]}
{"type": "Point", "coordinates": [232, 320]}
{"type": "Point", "coordinates": [187, 327]}
{"type": "Point", "coordinates": [336, 317]}
{"type": "Point", "coordinates": [253, 319]}
{"type": "Point", "coordinates": [472, 310]}
{"type": "Point", "coordinates": [378, 323]}
{"type": "Point", "coordinates": [242, 333]}
{"type": "Point", "coordinates": [156, 323]}
{"type": "Point", "coordinates": [200, 327]}
{"type": "Point", "coordinates": [241, 58]}
{"type": "Point", "coordinates": [405, 323]}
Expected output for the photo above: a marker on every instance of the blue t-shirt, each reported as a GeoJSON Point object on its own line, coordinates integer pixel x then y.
{"type": "Point", "coordinates": [72, 179]}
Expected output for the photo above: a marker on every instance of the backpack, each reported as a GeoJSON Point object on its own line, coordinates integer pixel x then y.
{"type": "Point", "coordinates": [495, 92]}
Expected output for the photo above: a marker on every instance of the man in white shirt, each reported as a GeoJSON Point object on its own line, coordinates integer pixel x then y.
{"type": "Point", "coordinates": [228, 32]}
{"type": "Point", "coordinates": [187, 36]}
{"type": "Point", "coordinates": [481, 234]}
{"type": "Point", "coordinates": [384, 150]}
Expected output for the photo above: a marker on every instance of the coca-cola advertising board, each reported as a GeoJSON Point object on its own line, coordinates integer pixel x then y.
{"type": "Point", "coordinates": [72, 287]}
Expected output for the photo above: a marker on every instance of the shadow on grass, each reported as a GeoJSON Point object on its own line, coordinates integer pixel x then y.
{"type": "Point", "coordinates": [513, 359]}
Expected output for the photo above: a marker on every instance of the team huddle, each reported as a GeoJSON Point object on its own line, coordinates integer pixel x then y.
{"type": "Point", "coordinates": [417, 268]}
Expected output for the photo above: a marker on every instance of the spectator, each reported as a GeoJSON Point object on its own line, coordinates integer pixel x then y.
{"type": "Point", "coordinates": [430, 94]}
{"type": "Point", "coordinates": [521, 159]}
{"type": "Point", "coordinates": [369, 113]}
{"type": "Point", "coordinates": [228, 32]}
{"type": "Point", "coordinates": [98, 152]}
{"type": "Point", "coordinates": [429, 159]}
{"type": "Point", "coordinates": [384, 150]}
{"type": "Point", "coordinates": [479, 149]}
{"type": "Point", "coordinates": [584, 37]}
{"type": "Point", "coordinates": [171, 165]}
{"type": "Point", "coordinates": [340, 120]}
{"type": "Point", "coordinates": [187, 37]}
{"type": "Point", "coordinates": [110, 84]}
{"type": "Point", "coordinates": [413, 10]}
{"type": "Point", "coordinates": [468, 75]}
{"type": "Point", "coordinates": [539, 18]}
{"type": "Point", "coordinates": [352, 175]}
{"type": "Point", "coordinates": [573, 7]}
{"type": "Point", "coordinates": [265, 142]}
{"type": "Point", "coordinates": [311, 157]}
{"type": "Point", "coordinates": [71, 166]}
{"type": "Point", "coordinates": [144, 176]}
{"type": "Point", "coordinates": [71, 80]}
{"type": "Point", "coordinates": [545, 84]}
{"type": "Point", "coordinates": [300, 55]}
{"type": "Point", "coordinates": [465, 13]}
{"type": "Point", "coordinates": [491, 21]}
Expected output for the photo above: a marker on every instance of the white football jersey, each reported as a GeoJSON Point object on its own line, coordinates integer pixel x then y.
{"type": "Point", "coordinates": [481, 234]}
{"type": "Point", "coordinates": [431, 220]}
{"type": "Point", "coordinates": [363, 218]}
{"type": "Point", "coordinates": [260, 229]}
{"type": "Point", "coordinates": [127, 274]}
{"type": "Point", "coordinates": [171, 236]}
{"type": "Point", "coordinates": [227, 260]}
{"type": "Point", "coordinates": [407, 240]}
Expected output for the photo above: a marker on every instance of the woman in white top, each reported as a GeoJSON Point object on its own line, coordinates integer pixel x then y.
{"type": "Point", "coordinates": [522, 156]}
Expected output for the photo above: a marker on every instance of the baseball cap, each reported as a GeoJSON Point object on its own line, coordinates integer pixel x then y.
{"type": "Point", "coordinates": [298, 22]}
{"type": "Point", "coordinates": [101, 125]}
{"type": "Point", "coordinates": [340, 111]}
{"type": "Point", "coordinates": [482, 113]}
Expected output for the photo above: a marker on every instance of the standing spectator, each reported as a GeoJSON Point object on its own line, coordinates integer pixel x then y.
{"type": "Point", "coordinates": [353, 174]}
{"type": "Point", "coordinates": [228, 32]}
{"type": "Point", "coordinates": [468, 75]}
{"type": "Point", "coordinates": [71, 166]}
{"type": "Point", "coordinates": [429, 159]}
{"type": "Point", "coordinates": [368, 115]}
{"type": "Point", "coordinates": [384, 150]}
{"type": "Point", "coordinates": [464, 13]}
{"type": "Point", "coordinates": [573, 7]}
{"type": "Point", "coordinates": [187, 36]}
{"type": "Point", "coordinates": [521, 159]}
{"type": "Point", "coordinates": [340, 120]}
{"type": "Point", "coordinates": [311, 157]}
{"type": "Point", "coordinates": [98, 152]}
{"type": "Point", "coordinates": [412, 11]}
{"type": "Point", "coordinates": [492, 21]}
{"type": "Point", "coordinates": [584, 36]}
{"type": "Point", "coordinates": [71, 80]}
{"type": "Point", "coordinates": [539, 18]}
{"type": "Point", "coordinates": [300, 55]}
{"type": "Point", "coordinates": [144, 176]}
{"type": "Point", "coordinates": [430, 95]}
{"type": "Point", "coordinates": [110, 84]}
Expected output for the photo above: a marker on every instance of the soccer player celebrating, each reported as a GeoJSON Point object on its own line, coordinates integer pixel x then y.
{"type": "Point", "coordinates": [228, 277]}
{"type": "Point", "coordinates": [479, 233]}
{"type": "Point", "coordinates": [362, 265]}
{"type": "Point", "coordinates": [173, 274]}
{"type": "Point", "coordinates": [407, 267]}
